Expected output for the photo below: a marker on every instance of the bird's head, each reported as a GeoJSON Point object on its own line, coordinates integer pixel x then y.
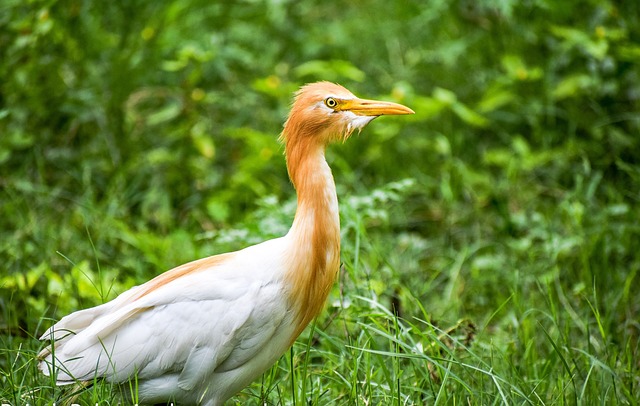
{"type": "Point", "coordinates": [323, 112]}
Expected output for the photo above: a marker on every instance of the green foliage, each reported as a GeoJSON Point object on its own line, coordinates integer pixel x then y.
{"type": "Point", "coordinates": [135, 136]}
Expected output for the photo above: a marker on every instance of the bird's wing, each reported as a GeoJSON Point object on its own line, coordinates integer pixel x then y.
{"type": "Point", "coordinates": [78, 321]}
{"type": "Point", "coordinates": [189, 325]}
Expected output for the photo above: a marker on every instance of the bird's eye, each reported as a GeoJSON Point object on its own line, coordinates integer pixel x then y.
{"type": "Point", "coordinates": [331, 102]}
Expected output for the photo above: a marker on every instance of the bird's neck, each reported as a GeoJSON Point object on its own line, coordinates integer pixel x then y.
{"type": "Point", "coordinates": [315, 233]}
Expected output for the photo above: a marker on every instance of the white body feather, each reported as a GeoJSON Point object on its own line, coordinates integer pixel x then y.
{"type": "Point", "coordinates": [198, 339]}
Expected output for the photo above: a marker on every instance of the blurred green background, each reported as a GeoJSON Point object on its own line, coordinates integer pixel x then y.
{"type": "Point", "coordinates": [138, 135]}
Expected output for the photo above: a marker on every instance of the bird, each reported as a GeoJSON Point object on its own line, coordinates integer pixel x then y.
{"type": "Point", "coordinates": [199, 333]}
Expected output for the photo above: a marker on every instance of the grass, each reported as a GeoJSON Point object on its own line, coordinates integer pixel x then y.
{"type": "Point", "coordinates": [489, 242]}
{"type": "Point", "coordinates": [423, 321]}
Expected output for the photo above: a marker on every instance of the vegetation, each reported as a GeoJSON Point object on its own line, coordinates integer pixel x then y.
{"type": "Point", "coordinates": [490, 242]}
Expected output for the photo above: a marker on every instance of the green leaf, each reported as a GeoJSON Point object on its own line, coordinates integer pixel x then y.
{"type": "Point", "coordinates": [572, 86]}
{"type": "Point", "coordinates": [166, 113]}
{"type": "Point", "coordinates": [331, 70]}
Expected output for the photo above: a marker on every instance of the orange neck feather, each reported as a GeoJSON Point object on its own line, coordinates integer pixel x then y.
{"type": "Point", "coordinates": [315, 233]}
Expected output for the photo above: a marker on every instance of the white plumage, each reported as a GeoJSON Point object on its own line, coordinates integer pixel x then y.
{"type": "Point", "coordinates": [201, 332]}
{"type": "Point", "coordinates": [219, 327]}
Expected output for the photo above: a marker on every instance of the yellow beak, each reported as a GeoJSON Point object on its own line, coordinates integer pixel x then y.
{"type": "Point", "coordinates": [363, 107]}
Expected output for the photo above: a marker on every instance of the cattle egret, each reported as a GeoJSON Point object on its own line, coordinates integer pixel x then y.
{"type": "Point", "coordinates": [201, 332]}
